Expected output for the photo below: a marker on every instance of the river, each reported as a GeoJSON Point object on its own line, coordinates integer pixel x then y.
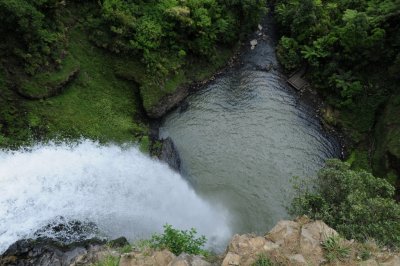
{"type": "Point", "coordinates": [244, 136]}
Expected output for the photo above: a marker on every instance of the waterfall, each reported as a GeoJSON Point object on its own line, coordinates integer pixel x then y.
{"type": "Point", "coordinates": [121, 190]}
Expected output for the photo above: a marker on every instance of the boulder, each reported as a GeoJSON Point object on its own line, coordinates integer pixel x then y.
{"type": "Point", "coordinates": [288, 243]}
{"type": "Point", "coordinates": [311, 236]}
{"type": "Point", "coordinates": [231, 259]}
{"type": "Point", "coordinates": [253, 44]}
{"type": "Point", "coordinates": [297, 260]}
{"type": "Point", "coordinates": [46, 251]}
{"type": "Point", "coordinates": [285, 233]}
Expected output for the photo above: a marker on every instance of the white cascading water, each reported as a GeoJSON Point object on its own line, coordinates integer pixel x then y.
{"type": "Point", "coordinates": [121, 190]}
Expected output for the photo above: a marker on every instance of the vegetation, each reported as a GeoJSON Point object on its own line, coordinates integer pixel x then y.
{"type": "Point", "coordinates": [163, 33]}
{"type": "Point", "coordinates": [168, 36]}
{"type": "Point", "coordinates": [351, 50]}
{"type": "Point", "coordinates": [179, 241]}
{"type": "Point", "coordinates": [32, 32]}
{"type": "Point", "coordinates": [355, 203]}
{"type": "Point", "coordinates": [335, 249]}
{"type": "Point", "coordinates": [122, 67]}
{"type": "Point", "coordinates": [263, 261]}
{"type": "Point", "coordinates": [108, 261]}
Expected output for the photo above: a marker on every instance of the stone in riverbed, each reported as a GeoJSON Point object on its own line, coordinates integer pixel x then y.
{"type": "Point", "coordinates": [253, 44]}
{"type": "Point", "coordinates": [170, 155]}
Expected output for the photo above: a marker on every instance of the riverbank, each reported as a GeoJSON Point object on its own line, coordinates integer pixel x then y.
{"type": "Point", "coordinates": [94, 93]}
{"type": "Point", "coordinates": [357, 75]}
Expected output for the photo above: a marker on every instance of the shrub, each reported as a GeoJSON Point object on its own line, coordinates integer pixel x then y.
{"type": "Point", "coordinates": [263, 261]}
{"type": "Point", "coordinates": [108, 261]}
{"type": "Point", "coordinates": [287, 53]}
{"type": "Point", "coordinates": [31, 31]}
{"type": "Point", "coordinates": [355, 203]}
{"type": "Point", "coordinates": [335, 249]}
{"type": "Point", "coordinates": [179, 241]}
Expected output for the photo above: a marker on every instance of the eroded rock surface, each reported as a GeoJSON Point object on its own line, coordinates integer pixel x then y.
{"type": "Point", "coordinates": [297, 243]}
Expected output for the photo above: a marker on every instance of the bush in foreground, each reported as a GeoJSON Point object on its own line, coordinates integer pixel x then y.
{"type": "Point", "coordinates": [355, 203]}
{"type": "Point", "coordinates": [179, 241]}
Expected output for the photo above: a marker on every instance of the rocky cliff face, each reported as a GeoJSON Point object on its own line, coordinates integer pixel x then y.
{"type": "Point", "coordinates": [303, 242]}
{"type": "Point", "coordinates": [300, 242]}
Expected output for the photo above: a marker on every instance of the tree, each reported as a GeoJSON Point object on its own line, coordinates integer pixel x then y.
{"type": "Point", "coordinates": [30, 31]}
{"type": "Point", "coordinates": [355, 203]}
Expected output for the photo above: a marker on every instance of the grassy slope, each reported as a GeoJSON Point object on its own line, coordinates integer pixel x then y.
{"type": "Point", "coordinates": [103, 103]}
{"type": "Point", "coordinates": [41, 84]}
{"type": "Point", "coordinates": [97, 105]}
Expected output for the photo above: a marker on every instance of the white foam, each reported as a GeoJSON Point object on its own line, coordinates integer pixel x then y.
{"type": "Point", "coordinates": [121, 190]}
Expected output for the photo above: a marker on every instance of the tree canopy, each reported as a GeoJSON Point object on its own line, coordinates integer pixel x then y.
{"type": "Point", "coordinates": [341, 42]}
{"type": "Point", "coordinates": [355, 203]}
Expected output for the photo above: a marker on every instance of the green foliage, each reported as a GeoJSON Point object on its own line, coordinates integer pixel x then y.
{"type": "Point", "coordinates": [108, 261]}
{"type": "Point", "coordinates": [104, 102]}
{"type": "Point", "coordinates": [288, 53]}
{"type": "Point", "coordinates": [263, 260]}
{"type": "Point", "coordinates": [179, 241]}
{"type": "Point", "coordinates": [386, 154]}
{"type": "Point", "coordinates": [365, 254]}
{"type": "Point", "coordinates": [46, 83]}
{"type": "Point", "coordinates": [126, 249]}
{"type": "Point", "coordinates": [355, 203]}
{"type": "Point", "coordinates": [31, 31]}
{"type": "Point", "coordinates": [168, 30]}
{"type": "Point", "coordinates": [340, 41]}
{"type": "Point", "coordinates": [351, 52]}
{"type": "Point", "coordinates": [96, 105]}
{"type": "Point", "coordinates": [335, 249]}
{"type": "Point", "coordinates": [144, 144]}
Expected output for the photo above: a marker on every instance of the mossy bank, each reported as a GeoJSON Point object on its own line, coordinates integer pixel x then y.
{"type": "Point", "coordinates": [93, 90]}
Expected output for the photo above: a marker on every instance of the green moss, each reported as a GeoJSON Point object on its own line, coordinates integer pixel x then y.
{"type": "Point", "coordinates": [152, 92]}
{"type": "Point", "coordinates": [103, 102]}
{"type": "Point", "coordinates": [42, 84]}
{"type": "Point", "coordinates": [97, 105]}
{"type": "Point", "coordinates": [129, 69]}
{"type": "Point", "coordinates": [144, 144]}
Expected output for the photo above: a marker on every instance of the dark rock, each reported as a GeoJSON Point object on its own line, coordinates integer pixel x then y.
{"type": "Point", "coordinates": [68, 231]}
{"type": "Point", "coordinates": [57, 243]}
{"type": "Point", "coordinates": [45, 252]}
{"type": "Point", "coordinates": [170, 155]}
